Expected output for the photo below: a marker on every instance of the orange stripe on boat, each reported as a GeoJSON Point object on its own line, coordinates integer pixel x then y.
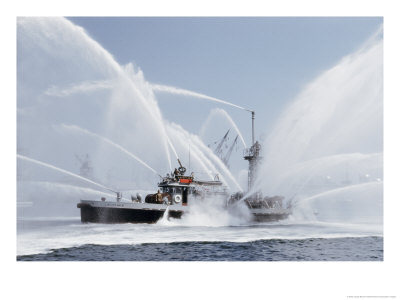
{"type": "Point", "coordinates": [184, 180]}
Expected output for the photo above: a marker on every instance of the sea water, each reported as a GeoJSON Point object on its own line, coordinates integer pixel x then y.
{"type": "Point", "coordinates": [68, 239]}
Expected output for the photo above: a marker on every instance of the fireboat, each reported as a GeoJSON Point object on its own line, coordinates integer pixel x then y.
{"type": "Point", "coordinates": [177, 191]}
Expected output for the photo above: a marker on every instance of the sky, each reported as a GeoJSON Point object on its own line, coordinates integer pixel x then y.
{"type": "Point", "coordinates": [260, 63]}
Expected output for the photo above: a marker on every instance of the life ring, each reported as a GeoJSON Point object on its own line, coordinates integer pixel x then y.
{"type": "Point", "coordinates": [178, 198]}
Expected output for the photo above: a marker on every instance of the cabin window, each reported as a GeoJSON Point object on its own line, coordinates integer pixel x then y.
{"type": "Point", "coordinates": [185, 196]}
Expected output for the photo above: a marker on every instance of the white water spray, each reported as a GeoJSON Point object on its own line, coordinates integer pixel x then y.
{"type": "Point", "coordinates": [83, 67]}
{"type": "Point", "coordinates": [172, 147]}
{"type": "Point", "coordinates": [183, 92]}
{"type": "Point", "coordinates": [199, 161]}
{"type": "Point", "coordinates": [165, 218]}
{"type": "Point", "coordinates": [67, 188]}
{"type": "Point", "coordinates": [217, 162]}
{"type": "Point", "coordinates": [331, 129]}
{"type": "Point", "coordinates": [82, 87]}
{"type": "Point", "coordinates": [62, 171]}
{"type": "Point", "coordinates": [357, 202]}
{"type": "Point", "coordinates": [211, 212]}
{"type": "Point", "coordinates": [115, 145]}
{"type": "Point", "coordinates": [209, 159]}
{"type": "Point", "coordinates": [219, 112]}
{"type": "Point", "coordinates": [90, 89]}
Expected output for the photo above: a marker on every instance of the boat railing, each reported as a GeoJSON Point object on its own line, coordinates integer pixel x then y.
{"type": "Point", "coordinates": [253, 151]}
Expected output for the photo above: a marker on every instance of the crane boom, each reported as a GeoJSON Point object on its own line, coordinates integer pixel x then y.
{"type": "Point", "coordinates": [218, 148]}
{"type": "Point", "coordinates": [228, 154]}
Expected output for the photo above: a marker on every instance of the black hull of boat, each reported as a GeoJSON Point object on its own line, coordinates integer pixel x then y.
{"type": "Point", "coordinates": [108, 215]}
{"type": "Point", "coordinates": [113, 215]}
{"type": "Point", "coordinates": [269, 217]}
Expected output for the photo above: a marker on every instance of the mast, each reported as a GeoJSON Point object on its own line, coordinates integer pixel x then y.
{"type": "Point", "coordinates": [252, 154]}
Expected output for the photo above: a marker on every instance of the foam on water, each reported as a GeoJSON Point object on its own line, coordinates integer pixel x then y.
{"type": "Point", "coordinates": [70, 233]}
{"type": "Point", "coordinates": [211, 212]}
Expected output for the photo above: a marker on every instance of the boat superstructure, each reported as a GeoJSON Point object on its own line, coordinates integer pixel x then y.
{"type": "Point", "coordinates": [262, 208]}
{"type": "Point", "coordinates": [177, 191]}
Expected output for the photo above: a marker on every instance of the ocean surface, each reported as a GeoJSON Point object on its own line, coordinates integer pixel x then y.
{"type": "Point", "coordinates": [67, 239]}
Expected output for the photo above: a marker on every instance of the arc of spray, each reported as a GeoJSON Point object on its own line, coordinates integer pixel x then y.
{"type": "Point", "coordinates": [77, 128]}
{"type": "Point", "coordinates": [224, 114]}
{"type": "Point", "coordinates": [38, 162]}
{"type": "Point", "coordinates": [172, 146]}
{"type": "Point", "coordinates": [68, 186]}
{"type": "Point", "coordinates": [179, 91]}
{"type": "Point", "coordinates": [234, 127]}
{"type": "Point", "coordinates": [116, 67]}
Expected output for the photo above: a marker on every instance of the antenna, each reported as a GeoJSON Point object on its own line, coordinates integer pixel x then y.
{"type": "Point", "coordinates": [253, 113]}
{"type": "Point", "coordinates": [252, 126]}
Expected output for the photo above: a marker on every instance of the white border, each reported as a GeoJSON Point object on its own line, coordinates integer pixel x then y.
{"type": "Point", "coordinates": [257, 280]}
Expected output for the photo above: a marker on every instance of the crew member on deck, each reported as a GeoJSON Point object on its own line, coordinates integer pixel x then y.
{"type": "Point", "coordinates": [158, 197]}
